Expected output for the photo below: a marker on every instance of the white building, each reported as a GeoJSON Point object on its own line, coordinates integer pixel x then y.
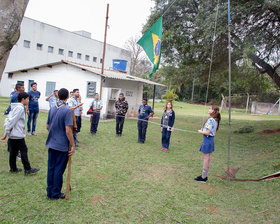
{"type": "Point", "coordinates": [40, 43]}
{"type": "Point", "coordinates": [86, 78]}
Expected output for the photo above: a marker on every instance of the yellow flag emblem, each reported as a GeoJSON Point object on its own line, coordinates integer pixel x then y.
{"type": "Point", "coordinates": [156, 43]}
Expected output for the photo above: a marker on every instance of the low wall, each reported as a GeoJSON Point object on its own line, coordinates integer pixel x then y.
{"type": "Point", "coordinates": [265, 108]}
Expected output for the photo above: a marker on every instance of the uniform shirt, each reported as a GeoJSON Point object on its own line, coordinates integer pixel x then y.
{"type": "Point", "coordinates": [96, 104]}
{"type": "Point", "coordinates": [33, 101]}
{"type": "Point", "coordinates": [144, 112]}
{"type": "Point", "coordinates": [211, 124]}
{"type": "Point", "coordinates": [59, 117]}
{"type": "Point", "coordinates": [73, 102]}
{"type": "Point", "coordinates": [52, 101]}
{"type": "Point", "coordinates": [14, 98]}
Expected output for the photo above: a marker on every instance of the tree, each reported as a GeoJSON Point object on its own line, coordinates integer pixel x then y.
{"type": "Point", "coordinates": [135, 50]}
{"type": "Point", "coordinates": [11, 16]}
{"type": "Point", "coordinates": [188, 33]}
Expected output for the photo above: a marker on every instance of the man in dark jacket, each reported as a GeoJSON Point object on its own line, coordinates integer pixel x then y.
{"type": "Point", "coordinates": [121, 106]}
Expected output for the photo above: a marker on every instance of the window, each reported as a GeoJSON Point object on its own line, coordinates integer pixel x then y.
{"type": "Point", "coordinates": [10, 75]}
{"type": "Point", "coordinates": [50, 87]}
{"type": "Point", "coordinates": [26, 43]}
{"type": "Point", "coordinates": [79, 55]}
{"type": "Point", "coordinates": [39, 47]}
{"type": "Point", "coordinates": [50, 49]}
{"type": "Point", "coordinates": [29, 84]}
{"type": "Point", "coordinates": [91, 89]}
{"type": "Point", "coordinates": [94, 59]}
{"type": "Point", "coordinates": [60, 51]}
{"type": "Point", "coordinates": [100, 60]}
{"type": "Point", "coordinates": [87, 57]}
{"type": "Point", "coordinates": [70, 54]}
{"type": "Point", "coordinates": [22, 82]}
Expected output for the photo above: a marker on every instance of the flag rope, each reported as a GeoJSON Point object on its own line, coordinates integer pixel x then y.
{"type": "Point", "coordinates": [211, 62]}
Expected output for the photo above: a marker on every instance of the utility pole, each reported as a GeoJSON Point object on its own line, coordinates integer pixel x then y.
{"type": "Point", "coordinates": [104, 50]}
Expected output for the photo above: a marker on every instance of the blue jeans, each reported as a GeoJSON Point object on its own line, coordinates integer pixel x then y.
{"type": "Point", "coordinates": [32, 116]}
{"type": "Point", "coordinates": [94, 122]}
{"type": "Point", "coordinates": [57, 163]}
{"type": "Point", "coordinates": [165, 139]}
{"type": "Point", "coordinates": [142, 129]}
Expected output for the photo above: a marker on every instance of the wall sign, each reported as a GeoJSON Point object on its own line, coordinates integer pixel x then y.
{"type": "Point", "coordinates": [129, 93]}
{"type": "Point", "coordinates": [91, 89]}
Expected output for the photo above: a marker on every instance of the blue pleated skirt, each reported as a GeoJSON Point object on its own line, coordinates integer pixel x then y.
{"type": "Point", "coordinates": [207, 145]}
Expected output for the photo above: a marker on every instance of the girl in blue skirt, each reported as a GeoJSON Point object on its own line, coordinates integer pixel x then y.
{"type": "Point", "coordinates": [209, 129]}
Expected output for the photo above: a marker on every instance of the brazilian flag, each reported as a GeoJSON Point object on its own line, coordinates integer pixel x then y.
{"type": "Point", "coordinates": [151, 43]}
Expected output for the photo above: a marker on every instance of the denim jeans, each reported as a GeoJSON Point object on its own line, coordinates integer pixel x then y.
{"type": "Point", "coordinates": [165, 138]}
{"type": "Point", "coordinates": [32, 117]}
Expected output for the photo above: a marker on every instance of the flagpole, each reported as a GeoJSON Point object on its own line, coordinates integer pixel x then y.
{"type": "Point", "coordinates": [229, 91]}
{"type": "Point", "coordinates": [104, 51]}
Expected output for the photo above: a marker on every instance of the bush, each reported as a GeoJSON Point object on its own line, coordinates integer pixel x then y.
{"type": "Point", "coordinates": [245, 129]}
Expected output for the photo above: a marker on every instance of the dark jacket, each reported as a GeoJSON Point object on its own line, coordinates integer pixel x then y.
{"type": "Point", "coordinates": [171, 119]}
{"type": "Point", "coordinates": [121, 107]}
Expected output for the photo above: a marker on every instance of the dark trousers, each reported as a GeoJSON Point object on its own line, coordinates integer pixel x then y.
{"type": "Point", "coordinates": [165, 138]}
{"type": "Point", "coordinates": [15, 146]}
{"type": "Point", "coordinates": [32, 117]}
{"type": "Point", "coordinates": [94, 122]}
{"type": "Point", "coordinates": [57, 163]}
{"type": "Point", "coordinates": [142, 129]}
{"type": "Point", "coordinates": [79, 123]}
{"type": "Point", "coordinates": [119, 124]}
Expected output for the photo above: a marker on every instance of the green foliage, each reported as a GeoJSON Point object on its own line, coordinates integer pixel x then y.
{"type": "Point", "coordinates": [188, 29]}
{"type": "Point", "coordinates": [170, 95]}
{"type": "Point", "coordinates": [245, 130]}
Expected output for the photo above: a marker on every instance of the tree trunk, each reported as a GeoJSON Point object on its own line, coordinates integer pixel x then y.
{"type": "Point", "coordinates": [12, 12]}
{"type": "Point", "coordinates": [267, 68]}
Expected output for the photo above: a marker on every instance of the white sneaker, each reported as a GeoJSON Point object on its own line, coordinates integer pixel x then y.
{"type": "Point", "coordinates": [18, 158]}
{"type": "Point", "coordinates": [29, 133]}
{"type": "Point", "coordinates": [34, 133]}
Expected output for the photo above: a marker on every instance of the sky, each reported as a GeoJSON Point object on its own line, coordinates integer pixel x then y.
{"type": "Point", "coordinates": [126, 17]}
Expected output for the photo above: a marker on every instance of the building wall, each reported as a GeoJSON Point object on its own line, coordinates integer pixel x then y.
{"type": "Point", "coordinates": [70, 77]}
{"type": "Point", "coordinates": [40, 33]}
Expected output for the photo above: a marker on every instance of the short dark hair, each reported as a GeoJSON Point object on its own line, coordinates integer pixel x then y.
{"type": "Point", "coordinates": [22, 95]}
{"type": "Point", "coordinates": [71, 91]}
{"type": "Point", "coordinates": [63, 94]}
{"type": "Point", "coordinates": [74, 90]}
{"type": "Point", "coordinates": [95, 94]}
{"type": "Point", "coordinates": [33, 83]}
{"type": "Point", "coordinates": [145, 99]}
{"type": "Point", "coordinates": [18, 86]}
{"type": "Point", "coordinates": [55, 91]}
{"type": "Point", "coordinates": [122, 94]}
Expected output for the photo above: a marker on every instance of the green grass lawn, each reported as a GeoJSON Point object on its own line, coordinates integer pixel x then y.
{"type": "Point", "coordinates": [117, 180]}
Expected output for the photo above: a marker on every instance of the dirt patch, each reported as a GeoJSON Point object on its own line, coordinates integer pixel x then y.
{"type": "Point", "coordinates": [155, 173]}
{"type": "Point", "coordinates": [211, 208]}
{"type": "Point", "coordinates": [100, 175]}
{"type": "Point", "coordinates": [277, 167]}
{"type": "Point", "coordinates": [210, 190]}
{"type": "Point", "coordinates": [269, 131]}
{"type": "Point", "coordinates": [245, 191]}
{"type": "Point", "coordinates": [155, 118]}
{"type": "Point", "coordinates": [96, 199]}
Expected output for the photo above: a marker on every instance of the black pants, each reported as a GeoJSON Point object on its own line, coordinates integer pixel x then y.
{"type": "Point", "coordinates": [94, 122]}
{"type": "Point", "coordinates": [119, 124]}
{"type": "Point", "coordinates": [15, 146]}
{"type": "Point", "coordinates": [142, 129]}
{"type": "Point", "coordinates": [79, 123]}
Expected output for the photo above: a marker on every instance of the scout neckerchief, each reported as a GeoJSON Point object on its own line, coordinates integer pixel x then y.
{"type": "Point", "coordinates": [60, 104]}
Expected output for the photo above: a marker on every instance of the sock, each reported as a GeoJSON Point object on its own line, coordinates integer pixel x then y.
{"type": "Point", "coordinates": [204, 172]}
